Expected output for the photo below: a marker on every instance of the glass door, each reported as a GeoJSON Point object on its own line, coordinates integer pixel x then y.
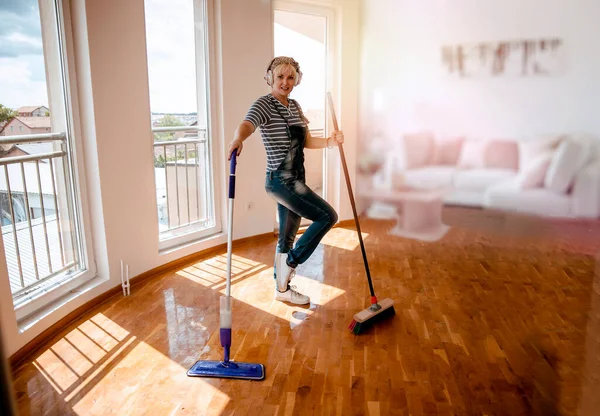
{"type": "Point", "coordinates": [303, 36]}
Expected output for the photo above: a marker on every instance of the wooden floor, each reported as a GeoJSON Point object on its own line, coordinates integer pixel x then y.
{"type": "Point", "coordinates": [500, 317]}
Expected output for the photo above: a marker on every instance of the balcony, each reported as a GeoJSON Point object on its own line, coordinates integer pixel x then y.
{"type": "Point", "coordinates": [38, 226]}
{"type": "Point", "coordinates": [183, 191]}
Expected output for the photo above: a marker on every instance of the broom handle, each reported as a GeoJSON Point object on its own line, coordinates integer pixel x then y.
{"type": "Point", "coordinates": [347, 176]}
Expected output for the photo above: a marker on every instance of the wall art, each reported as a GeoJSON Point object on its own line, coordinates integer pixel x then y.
{"type": "Point", "coordinates": [524, 58]}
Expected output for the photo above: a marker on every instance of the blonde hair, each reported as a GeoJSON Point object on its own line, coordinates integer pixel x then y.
{"type": "Point", "coordinates": [278, 65]}
{"type": "Point", "coordinates": [284, 68]}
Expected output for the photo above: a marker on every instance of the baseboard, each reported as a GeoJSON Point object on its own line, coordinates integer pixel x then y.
{"type": "Point", "coordinates": [21, 356]}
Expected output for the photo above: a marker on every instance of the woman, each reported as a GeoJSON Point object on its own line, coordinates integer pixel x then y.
{"type": "Point", "coordinates": [285, 135]}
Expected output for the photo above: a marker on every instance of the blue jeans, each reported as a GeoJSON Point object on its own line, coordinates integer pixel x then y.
{"type": "Point", "coordinates": [294, 201]}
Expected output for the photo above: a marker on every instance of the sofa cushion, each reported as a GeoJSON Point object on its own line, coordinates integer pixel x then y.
{"type": "Point", "coordinates": [530, 149]}
{"type": "Point", "coordinates": [418, 149]}
{"type": "Point", "coordinates": [472, 154]}
{"type": "Point", "coordinates": [540, 201]}
{"type": "Point", "coordinates": [480, 179]}
{"type": "Point", "coordinates": [464, 198]}
{"type": "Point", "coordinates": [533, 175]}
{"type": "Point", "coordinates": [568, 159]}
{"type": "Point", "coordinates": [429, 177]}
{"type": "Point", "coordinates": [502, 154]}
{"type": "Point", "coordinates": [447, 151]}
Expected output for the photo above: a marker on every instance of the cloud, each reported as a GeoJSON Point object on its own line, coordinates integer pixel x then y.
{"type": "Point", "coordinates": [171, 55]}
{"type": "Point", "coordinates": [20, 31]}
{"type": "Point", "coordinates": [16, 48]}
{"type": "Point", "coordinates": [18, 83]}
{"type": "Point", "coordinates": [18, 6]}
{"type": "Point", "coordinates": [22, 71]}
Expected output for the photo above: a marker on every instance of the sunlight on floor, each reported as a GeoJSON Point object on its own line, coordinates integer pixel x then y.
{"type": "Point", "coordinates": [343, 238]}
{"type": "Point", "coordinates": [211, 273]}
{"type": "Point", "coordinates": [76, 354]}
{"type": "Point", "coordinates": [99, 353]}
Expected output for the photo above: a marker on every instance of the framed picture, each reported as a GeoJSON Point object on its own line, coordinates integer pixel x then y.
{"type": "Point", "coordinates": [520, 58]}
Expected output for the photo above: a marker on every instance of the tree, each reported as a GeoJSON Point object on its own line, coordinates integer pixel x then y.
{"type": "Point", "coordinates": [167, 121]}
{"type": "Point", "coordinates": [7, 114]}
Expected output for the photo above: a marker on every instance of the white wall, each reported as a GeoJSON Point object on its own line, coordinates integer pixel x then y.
{"type": "Point", "coordinates": [113, 82]}
{"type": "Point", "coordinates": [247, 39]}
{"type": "Point", "coordinates": [404, 85]}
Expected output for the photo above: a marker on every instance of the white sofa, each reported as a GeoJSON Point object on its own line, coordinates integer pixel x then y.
{"type": "Point", "coordinates": [556, 176]}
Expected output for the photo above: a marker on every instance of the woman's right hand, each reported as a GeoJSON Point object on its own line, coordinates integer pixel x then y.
{"type": "Point", "coordinates": [235, 145]}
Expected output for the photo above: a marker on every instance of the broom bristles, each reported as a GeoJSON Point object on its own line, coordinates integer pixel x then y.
{"type": "Point", "coordinates": [361, 327]}
{"type": "Point", "coordinates": [367, 317]}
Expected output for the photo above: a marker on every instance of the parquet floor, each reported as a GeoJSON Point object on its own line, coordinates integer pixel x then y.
{"type": "Point", "coordinates": [500, 317]}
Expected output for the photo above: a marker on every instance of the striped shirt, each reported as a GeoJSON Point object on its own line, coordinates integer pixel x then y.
{"type": "Point", "coordinates": [263, 113]}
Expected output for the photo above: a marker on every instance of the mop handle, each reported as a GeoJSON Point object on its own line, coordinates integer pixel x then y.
{"type": "Point", "coordinates": [232, 164]}
{"type": "Point", "coordinates": [230, 222]}
{"type": "Point", "coordinates": [349, 186]}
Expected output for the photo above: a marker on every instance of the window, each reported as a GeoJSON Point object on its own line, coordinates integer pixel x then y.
{"type": "Point", "coordinates": [46, 248]}
{"type": "Point", "coordinates": [176, 41]}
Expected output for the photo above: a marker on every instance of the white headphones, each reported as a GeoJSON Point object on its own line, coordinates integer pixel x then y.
{"type": "Point", "coordinates": [282, 60]}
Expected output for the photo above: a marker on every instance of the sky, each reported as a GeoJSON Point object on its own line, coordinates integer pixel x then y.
{"type": "Point", "coordinates": [170, 45]}
{"type": "Point", "coordinates": [171, 57]}
{"type": "Point", "coordinates": [22, 71]}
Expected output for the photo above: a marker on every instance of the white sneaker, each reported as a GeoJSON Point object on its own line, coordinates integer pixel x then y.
{"type": "Point", "coordinates": [283, 272]}
{"type": "Point", "coordinates": [292, 296]}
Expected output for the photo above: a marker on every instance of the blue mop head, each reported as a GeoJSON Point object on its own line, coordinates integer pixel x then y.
{"type": "Point", "coordinates": [226, 368]}
{"type": "Point", "coordinates": [220, 369]}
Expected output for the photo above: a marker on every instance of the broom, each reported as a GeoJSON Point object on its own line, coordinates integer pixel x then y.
{"type": "Point", "coordinates": [378, 311]}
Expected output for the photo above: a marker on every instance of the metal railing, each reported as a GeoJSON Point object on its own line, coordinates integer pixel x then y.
{"type": "Point", "coordinates": [180, 161]}
{"type": "Point", "coordinates": [180, 156]}
{"type": "Point", "coordinates": [33, 214]}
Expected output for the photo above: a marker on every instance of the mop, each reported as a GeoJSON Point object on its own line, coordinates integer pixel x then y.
{"type": "Point", "coordinates": [227, 368]}
{"type": "Point", "coordinates": [378, 311]}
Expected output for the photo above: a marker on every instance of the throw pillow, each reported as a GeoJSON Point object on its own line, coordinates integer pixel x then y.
{"type": "Point", "coordinates": [447, 150]}
{"type": "Point", "coordinates": [532, 176]}
{"type": "Point", "coordinates": [502, 154]}
{"type": "Point", "coordinates": [418, 149]}
{"type": "Point", "coordinates": [472, 154]}
{"type": "Point", "coordinates": [568, 159]}
{"type": "Point", "coordinates": [530, 149]}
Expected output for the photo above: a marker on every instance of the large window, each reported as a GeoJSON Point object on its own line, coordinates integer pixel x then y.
{"type": "Point", "coordinates": [176, 38]}
{"type": "Point", "coordinates": [46, 249]}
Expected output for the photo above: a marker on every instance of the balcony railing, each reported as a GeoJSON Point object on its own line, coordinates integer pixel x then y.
{"type": "Point", "coordinates": [37, 226]}
{"type": "Point", "coordinates": [182, 188]}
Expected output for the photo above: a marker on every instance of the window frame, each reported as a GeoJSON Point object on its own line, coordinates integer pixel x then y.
{"type": "Point", "coordinates": [61, 84]}
{"type": "Point", "coordinates": [207, 98]}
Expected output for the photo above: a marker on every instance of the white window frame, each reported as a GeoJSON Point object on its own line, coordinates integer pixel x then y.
{"type": "Point", "coordinates": [207, 98]}
{"type": "Point", "coordinates": [58, 49]}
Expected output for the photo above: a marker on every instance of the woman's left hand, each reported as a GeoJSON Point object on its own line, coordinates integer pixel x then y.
{"type": "Point", "coordinates": [337, 137]}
